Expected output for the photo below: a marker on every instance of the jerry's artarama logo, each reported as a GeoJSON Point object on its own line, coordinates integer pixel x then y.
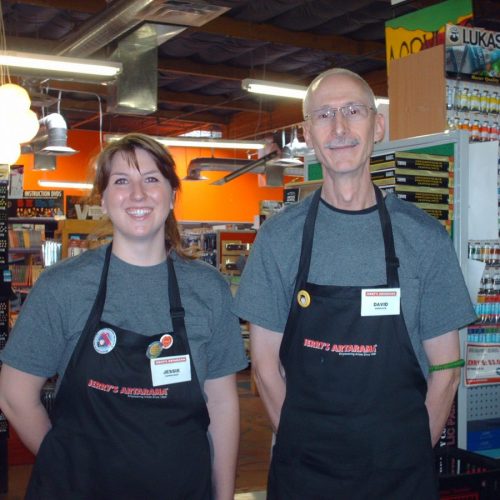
{"type": "Point", "coordinates": [342, 349]}
{"type": "Point", "coordinates": [131, 392]}
{"type": "Point", "coordinates": [381, 294]}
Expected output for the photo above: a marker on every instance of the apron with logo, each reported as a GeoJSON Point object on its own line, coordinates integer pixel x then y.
{"type": "Point", "coordinates": [354, 424]}
{"type": "Point", "coordinates": [129, 420]}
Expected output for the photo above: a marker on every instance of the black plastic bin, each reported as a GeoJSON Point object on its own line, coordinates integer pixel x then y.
{"type": "Point", "coordinates": [464, 475]}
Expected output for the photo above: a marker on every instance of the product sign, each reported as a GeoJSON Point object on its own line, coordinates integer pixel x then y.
{"type": "Point", "coordinates": [290, 195]}
{"type": "Point", "coordinates": [41, 203]}
{"type": "Point", "coordinates": [16, 176]}
{"type": "Point", "coordinates": [424, 28]}
{"type": "Point", "coordinates": [77, 208]}
{"type": "Point", "coordinates": [482, 364]}
{"type": "Point", "coordinates": [472, 53]}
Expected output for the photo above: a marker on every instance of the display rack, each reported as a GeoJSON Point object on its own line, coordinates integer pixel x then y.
{"type": "Point", "coordinates": [81, 229]}
{"type": "Point", "coordinates": [471, 401]}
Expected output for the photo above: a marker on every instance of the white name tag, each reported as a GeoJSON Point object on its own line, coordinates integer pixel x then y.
{"type": "Point", "coordinates": [380, 301]}
{"type": "Point", "coordinates": [170, 370]}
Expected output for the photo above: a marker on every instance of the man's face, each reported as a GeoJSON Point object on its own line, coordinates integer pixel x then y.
{"type": "Point", "coordinates": [343, 146]}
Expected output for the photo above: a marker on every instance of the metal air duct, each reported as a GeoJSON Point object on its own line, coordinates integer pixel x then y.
{"type": "Point", "coordinates": [123, 15]}
{"type": "Point", "coordinates": [274, 173]}
{"type": "Point", "coordinates": [52, 137]}
{"type": "Point", "coordinates": [103, 28]}
{"type": "Point", "coordinates": [136, 89]}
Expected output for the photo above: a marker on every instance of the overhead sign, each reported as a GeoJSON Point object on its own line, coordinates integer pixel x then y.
{"type": "Point", "coordinates": [424, 28]}
{"type": "Point", "coordinates": [472, 53]}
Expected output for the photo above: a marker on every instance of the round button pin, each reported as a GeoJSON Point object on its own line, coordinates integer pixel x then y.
{"type": "Point", "coordinates": [154, 349]}
{"type": "Point", "coordinates": [303, 298]}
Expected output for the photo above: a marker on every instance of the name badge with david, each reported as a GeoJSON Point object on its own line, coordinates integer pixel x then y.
{"type": "Point", "coordinates": [380, 301]}
{"type": "Point", "coordinates": [171, 370]}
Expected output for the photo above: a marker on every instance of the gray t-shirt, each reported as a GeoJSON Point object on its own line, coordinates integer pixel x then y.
{"type": "Point", "coordinates": [348, 250]}
{"type": "Point", "coordinates": [54, 314]}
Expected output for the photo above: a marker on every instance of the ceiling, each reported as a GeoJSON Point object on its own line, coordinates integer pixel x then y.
{"type": "Point", "coordinates": [196, 75]}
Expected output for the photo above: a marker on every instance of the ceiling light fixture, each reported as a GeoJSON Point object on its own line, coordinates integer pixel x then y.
{"type": "Point", "coordinates": [86, 67]}
{"type": "Point", "coordinates": [285, 90]}
{"type": "Point", "coordinates": [198, 143]}
{"type": "Point", "coordinates": [63, 184]}
{"type": "Point", "coordinates": [274, 88]}
{"type": "Point", "coordinates": [381, 100]}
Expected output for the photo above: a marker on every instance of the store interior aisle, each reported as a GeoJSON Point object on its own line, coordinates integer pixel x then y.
{"type": "Point", "coordinates": [254, 449]}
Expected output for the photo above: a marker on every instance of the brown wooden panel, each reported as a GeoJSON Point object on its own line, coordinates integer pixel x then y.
{"type": "Point", "coordinates": [417, 94]}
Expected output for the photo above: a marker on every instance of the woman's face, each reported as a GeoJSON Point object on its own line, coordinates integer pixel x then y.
{"type": "Point", "coordinates": [137, 201]}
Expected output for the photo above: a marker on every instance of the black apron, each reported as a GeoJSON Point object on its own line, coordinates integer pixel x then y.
{"type": "Point", "coordinates": [117, 436]}
{"type": "Point", "coordinates": [354, 424]}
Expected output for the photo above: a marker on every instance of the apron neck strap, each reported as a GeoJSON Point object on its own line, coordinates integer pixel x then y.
{"type": "Point", "coordinates": [97, 308]}
{"type": "Point", "coordinates": [307, 242]}
{"type": "Point", "coordinates": [391, 261]}
{"type": "Point", "coordinates": [176, 310]}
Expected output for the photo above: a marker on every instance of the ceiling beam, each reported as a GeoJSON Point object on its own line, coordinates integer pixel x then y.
{"type": "Point", "coordinates": [227, 26]}
{"type": "Point", "coordinates": [192, 117]}
{"type": "Point", "coordinates": [184, 66]}
{"type": "Point", "coordinates": [164, 96]}
{"type": "Point", "coordinates": [208, 101]}
{"type": "Point", "coordinates": [88, 6]}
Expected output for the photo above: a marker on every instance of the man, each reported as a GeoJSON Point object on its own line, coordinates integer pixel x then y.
{"type": "Point", "coordinates": [354, 303]}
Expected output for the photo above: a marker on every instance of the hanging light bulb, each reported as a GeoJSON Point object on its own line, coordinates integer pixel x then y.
{"type": "Point", "coordinates": [18, 124]}
{"type": "Point", "coordinates": [13, 99]}
{"type": "Point", "coordinates": [10, 151]}
{"type": "Point", "coordinates": [25, 126]}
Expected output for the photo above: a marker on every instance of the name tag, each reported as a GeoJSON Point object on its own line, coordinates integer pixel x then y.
{"type": "Point", "coordinates": [170, 370]}
{"type": "Point", "coordinates": [380, 301]}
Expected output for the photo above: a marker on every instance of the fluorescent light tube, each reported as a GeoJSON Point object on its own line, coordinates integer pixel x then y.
{"type": "Point", "coordinates": [381, 100]}
{"type": "Point", "coordinates": [64, 184]}
{"type": "Point", "coordinates": [198, 143]}
{"type": "Point", "coordinates": [60, 64]}
{"type": "Point", "coordinates": [274, 88]}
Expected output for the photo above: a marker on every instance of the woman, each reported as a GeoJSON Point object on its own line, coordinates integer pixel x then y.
{"type": "Point", "coordinates": [145, 347]}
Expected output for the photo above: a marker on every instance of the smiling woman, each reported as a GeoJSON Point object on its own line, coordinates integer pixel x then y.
{"type": "Point", "coordinates": [137, 188]}
{"type": "Point", "coordinates": [146, 353]}
{"type": "Point", "coordinates": [137, 182]}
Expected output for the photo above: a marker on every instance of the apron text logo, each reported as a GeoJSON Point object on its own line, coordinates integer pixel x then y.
{"type": "Point", "coordinates": [129, 391]}
{"type": "Point", "coordinates": [342, 349]}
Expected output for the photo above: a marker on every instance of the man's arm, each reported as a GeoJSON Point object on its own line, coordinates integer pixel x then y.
{"type": "Point", "coordinates": [224, 429]}
{"type": "Point", "coordinates": [441, 385]}
{"type": "Point", "coordinates": [267, 369]}
{"type": "Point", "coordinates": [20, 402]}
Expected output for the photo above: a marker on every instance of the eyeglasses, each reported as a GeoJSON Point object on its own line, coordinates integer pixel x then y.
{"type": "Point", "coordinates": [351, 112]}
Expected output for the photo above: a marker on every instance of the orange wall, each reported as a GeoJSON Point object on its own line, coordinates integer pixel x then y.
{"type": "Point", "coordinates": [236, 201]}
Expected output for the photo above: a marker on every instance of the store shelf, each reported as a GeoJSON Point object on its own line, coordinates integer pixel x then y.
{"type": "Point", "coordinates": [25, 251]}
{"type": "Point", "coordinates": [86, 228]}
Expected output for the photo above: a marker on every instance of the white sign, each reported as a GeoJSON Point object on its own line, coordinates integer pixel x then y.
{"type": "Point", "coordinates": [380, 301]}
{"type": "Point", "coordinates": [482, 364]}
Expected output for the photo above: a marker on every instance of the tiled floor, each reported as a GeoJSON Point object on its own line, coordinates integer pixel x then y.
{"type": "Point", "coordinates": [253, 459]}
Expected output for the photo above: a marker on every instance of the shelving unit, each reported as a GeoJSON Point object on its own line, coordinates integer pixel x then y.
{"type": "Point", "coordinates": [94, 230]}
{"type": "Point", "coordinates": [26, 238]}
{"type": "Point", "coordinates": [423, 101]}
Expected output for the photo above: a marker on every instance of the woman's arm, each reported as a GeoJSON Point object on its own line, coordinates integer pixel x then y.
{"type": "Point", "coordinates": [20, 402]}
{"type": "Point", "coordinates": [224, 429]}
